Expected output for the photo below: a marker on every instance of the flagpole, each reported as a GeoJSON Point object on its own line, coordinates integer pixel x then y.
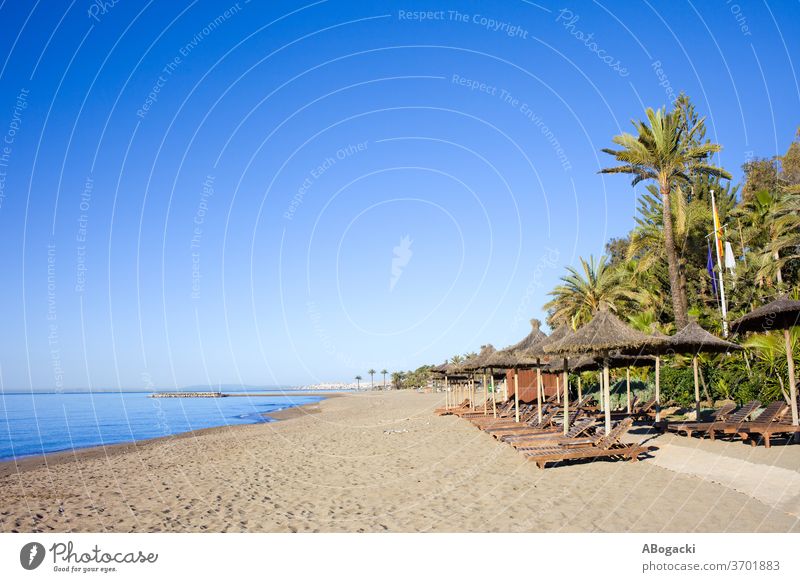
{"type": "Point", "coordinates": [719, 266]}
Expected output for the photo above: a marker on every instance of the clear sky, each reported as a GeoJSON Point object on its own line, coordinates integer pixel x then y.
{"type": "Point", "coordinates": [292, 192]}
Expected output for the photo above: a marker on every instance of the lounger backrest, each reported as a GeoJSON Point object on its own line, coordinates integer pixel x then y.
{"type": "Point", "coordinates": [612, 438]}
{"type": "Point", "coordinates": [583, 401]}
{"type": "Point", "coordinates": [745, 411]}
{"type": "Point", "coordinates": [579, 427]}
{"type": "Point", "coordinates": [648, 405]}
{"type": "Point", "coordinates": [723, 411]}
{"type": "Point", "coordinates": [772, 412]}
{"type": "Point", "coordinates": [547, 417]}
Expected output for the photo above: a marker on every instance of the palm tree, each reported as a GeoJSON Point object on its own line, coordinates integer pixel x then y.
{"type": "Point", "coordinates": [583, 293]}
{"type": "Point", "coordinates": [397, 380]}
{"type": "Point", "coordinates": [666, 151]}
{"type": "Point", "coordinates": [358, 382]}
{"type": "Point", "coordinates": [384, 372]}
{"type": "Point", "coordinates": [371, 373]}
{"type": "Point", "coordinates": [784, 233]}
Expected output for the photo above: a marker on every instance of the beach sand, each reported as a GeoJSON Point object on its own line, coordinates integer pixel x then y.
{"type": "Point", "coordinates": [383, 462]}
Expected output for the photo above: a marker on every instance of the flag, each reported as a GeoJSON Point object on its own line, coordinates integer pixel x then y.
{"type": "Point", "coordinates": [730, 260]}
{"type": "Point", "coordinates": [710, 269]}
{"type": "Point", "coordinates": [717, 230]}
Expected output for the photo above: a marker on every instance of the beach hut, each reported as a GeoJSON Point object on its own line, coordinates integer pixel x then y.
{"type": "Point", "coordinates": [783, 313]}
{"type": "Point", "coordinates": [604, 334]}
{"type": "Point", "coordinates": [694, 340]}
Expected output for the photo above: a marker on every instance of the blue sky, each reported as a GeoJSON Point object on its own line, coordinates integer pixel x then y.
{"type": "Point", "coordinates": [292, 192]}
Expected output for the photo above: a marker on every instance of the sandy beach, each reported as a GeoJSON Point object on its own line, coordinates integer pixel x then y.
{"type": "Point", "coordinates": [383, 462]}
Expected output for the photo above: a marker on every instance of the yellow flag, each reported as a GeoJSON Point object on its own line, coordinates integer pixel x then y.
{"type": "Point", "coordinates": [718, 229]}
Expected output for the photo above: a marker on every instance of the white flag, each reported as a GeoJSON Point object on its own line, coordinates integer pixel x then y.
{"type": "Point", "coordinates": [730, 260]}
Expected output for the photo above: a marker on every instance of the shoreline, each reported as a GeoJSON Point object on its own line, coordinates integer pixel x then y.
{"type": "Point", "coordinates": [48, 460]}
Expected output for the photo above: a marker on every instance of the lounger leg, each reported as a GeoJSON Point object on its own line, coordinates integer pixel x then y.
{"type": "Point", "coordinates": [767, 439]}
{"type": "Point", "coordinates": [541, 464]}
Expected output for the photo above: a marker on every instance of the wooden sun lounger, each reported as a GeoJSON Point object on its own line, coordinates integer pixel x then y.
{"type": "Point", "coordinates": [502, 410]}
{"type": "Point", "coordinates": [545, 427]}
{"type": "Point", "coordinates": [608, 446]}
{"type": "Point", "coordinates": [736, 418]}
{"type": "Point", "coordinates": [575, 437]}
{"type": "Point", "coordinates": [504, 422]}
{"type": "Point", "coordinates": [527, 415]}
{"type": "Point", "coordinates": [770, 422]}
{"type": "Point", "coordinates": [531, 427]}
{"type": "Point", "coordinates": [639, 411]}
{"type": "Point", "coordinates": [689, 427]}
{"type": "Point", "coordinates": [464, 405]}
{"type": "Point", "coordinates": [734, 421]}
{"type": "Point", "coordinates": [532, 421]}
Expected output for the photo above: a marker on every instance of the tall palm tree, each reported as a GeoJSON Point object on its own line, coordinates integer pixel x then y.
{"type": "Point", "coordinates": [582, 293]}
{"type": "Point", "coordinates": [358, 382]}
{"type": "Point", "coordinates": [371, 373]}
{"type": "Point", "coordinates": [667, 152]}
{"type": "Point", "coordinates": [384, 372]}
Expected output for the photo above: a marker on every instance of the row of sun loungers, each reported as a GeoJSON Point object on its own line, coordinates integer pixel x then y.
{"type": "Point", "coordinates": [544, 442]}
{"type": "Point", "coordinates": [743, 422]}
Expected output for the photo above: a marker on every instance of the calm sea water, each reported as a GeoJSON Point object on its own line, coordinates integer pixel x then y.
{"type": "Point", "coordinates": [32, 424]}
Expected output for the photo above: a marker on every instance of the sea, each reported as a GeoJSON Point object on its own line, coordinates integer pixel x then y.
{"type": "Point", "coordinates": [34, 423]}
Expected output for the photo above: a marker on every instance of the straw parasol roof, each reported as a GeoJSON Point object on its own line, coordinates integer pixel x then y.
{"type": "Point", "coordinates": [625, 361]}
{"type": "Point", "coordinates": [441, 368]}
{"type": "Point", "coordinates": [694, 339]}
{"type": "Point", "coordinates": [779, 314]}
{"type": "Point", "coordinates": [605, 332]}
{"type": "Point", "coordinates": [535, 337]}
{"type": "Point", "coordinates": [481, 360]}
{"type": "Point", "coordinates": [582, 364]}
{"type": "Point", "coordinates": [516, 355]}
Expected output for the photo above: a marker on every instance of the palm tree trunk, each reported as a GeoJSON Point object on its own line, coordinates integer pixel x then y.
{"type": "Point", "coordinates": [678, 302]}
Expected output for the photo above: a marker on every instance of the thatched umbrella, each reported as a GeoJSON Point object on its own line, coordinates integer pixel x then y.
{"type": "Point", "coordinates": [693, 340]}
{"type": "Point", "coordinates": [783, 313]}
{"type": "Point", "coordinates": [536, 353]}
{"type": "Point", "coordinates": [603, 334]}
{"type": "Point", "coordinates": [513, 358]}
{"type": "Point", "coordinates": [479, 362]}
{"type": "Point", "coordinates": [441, 370]}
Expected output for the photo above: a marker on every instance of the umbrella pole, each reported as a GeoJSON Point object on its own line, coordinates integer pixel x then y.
{"type": "Point", "coordinates": [696, 388]}
{"type": "Point", "coordinates": [658, 388]}
{"type": "Point", "coordinates": [580, 393]}
{"type": "Point", "coordinates": [494, 393]}
{"type": "Point", "coordinates": [486, 394]}
{"type": "Point", "coordinates": [566, 396]}
{"type": "Point", "coordinates": [516, 396]}
{"type": "Point", "coordinates": [628, 383]}
{"type": "Point", "coordinates": [792, 381]}
{"type": "Point", "coordinates": [558, 389]}
{"type": "Point", "coordinates": [539, 391]}
{"type": "Point", "coordinates": [602, 393]}
{"type": "Point", "coordinates": [472, 392]}
{"type": "Point", "coordinates": [607, 395]}
{"type": "Point", "coordinates": [446, 397]}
